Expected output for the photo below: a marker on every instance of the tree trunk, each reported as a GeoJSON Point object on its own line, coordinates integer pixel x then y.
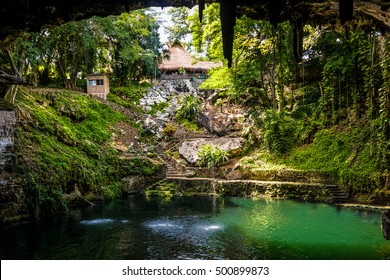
{"type": "Point", "coordinates": [63, 74]}
{"type": "Point", "coordinates": [10, 95]}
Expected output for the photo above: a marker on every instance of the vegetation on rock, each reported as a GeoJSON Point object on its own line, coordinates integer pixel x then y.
{"type": "Point", "coordinates": [187, 112]}
{"type": "Point", "coordinates": [328, 113]}
{"type": "Point", "coordinates": [66, 147]}
{"type": "Point", "coordinates": [211, 156]}
{"type": "Point", "coordinates": [323, 108]}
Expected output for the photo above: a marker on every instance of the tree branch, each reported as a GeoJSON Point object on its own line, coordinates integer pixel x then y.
{"type": "Point", "coordinates": [13, 66]}
{"type": "Point", "coordinates": [8, 79]}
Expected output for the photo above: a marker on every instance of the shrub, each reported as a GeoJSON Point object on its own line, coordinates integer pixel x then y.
{"type": "Point", "coordinates": [169, 130]}
{"type": "Point", "coordinates": [211, 156]}
{"type": "Point", "coordinates": [189, 109]}
{"type": "Point", "coordinates": [280, 132]}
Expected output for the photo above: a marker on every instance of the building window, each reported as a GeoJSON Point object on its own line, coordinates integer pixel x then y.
{"type": "Point", "coordinates": [92, 82]}
{"type": "Point", "coordinates": [95, 82]}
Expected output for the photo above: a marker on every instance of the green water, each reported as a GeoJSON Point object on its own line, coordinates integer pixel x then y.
{"type": "Point", "coordinates": [201, 228]}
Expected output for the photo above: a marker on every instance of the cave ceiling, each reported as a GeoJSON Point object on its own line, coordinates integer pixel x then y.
{"type": "Point", "coordinates": [17, 16]}
{"type": "Point", "coordinates": [31, 15]}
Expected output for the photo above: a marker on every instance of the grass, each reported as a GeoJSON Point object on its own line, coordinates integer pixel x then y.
{"type": "Point", "coordinates": [129, 96]}
{"type": "Point", "coordinates": [188, 124]}
{"type": "Point", "coordinates": [261, 159]}
{"type": "Point", "coordinates": [346, 155]}
{"type": "Point", "coordinates": [65, 145]}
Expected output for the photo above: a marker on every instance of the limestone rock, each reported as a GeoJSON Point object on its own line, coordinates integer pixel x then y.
{"type": "Point", "coordinates": [7, 128]}
{"type": "Point", "coordinates": [153, 127]}
{"type": "Point", "coordinates": [132, 185]}
{"type": "Point", "coordinates": [220, 124]}
{"type": "Point", "coordinates": [234, 175]}
{"type": "Point", "coordinates": [189, 149]}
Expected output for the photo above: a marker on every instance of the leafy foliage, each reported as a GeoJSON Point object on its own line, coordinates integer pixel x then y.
{"type": "Point", "coordinates": [190, 108]}
{"type": "Point", "coordinates": [169, 130]}
{"type": "Point", "coordinates": [63, 55]}
{"type": "Point", "coordinates": [128, 96]}
{"type": "Point", "coordinates": [220, 78]}
{"type": "Point", "coordinates": [179, 29]}
{"type": "Point", "coordinates": [280, 132]}
{"type": "Point", "coordinates": [212, 156]}
{"type": "Point", "coordinates": [345, 155]}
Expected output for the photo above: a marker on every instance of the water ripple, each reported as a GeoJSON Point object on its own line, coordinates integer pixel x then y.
{"type": "Point", "coordinates": [100, 222]}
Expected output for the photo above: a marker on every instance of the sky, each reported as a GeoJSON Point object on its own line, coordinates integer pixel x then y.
{"type": "Point", "coordinates": [165, 19]}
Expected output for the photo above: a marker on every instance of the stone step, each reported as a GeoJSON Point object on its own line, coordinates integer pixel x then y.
{"type": "Point", "coordinates": [173, 173]}
{"type": "Point", "coordinates": [332, 187]}
{"type": "Point", "coordinates": [337, 195]}
{"type": "Point", "coordinates": [175, 176]}
{"type": "Point", "coordinates": [171, 169]}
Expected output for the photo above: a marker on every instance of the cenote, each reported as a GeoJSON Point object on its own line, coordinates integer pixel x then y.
{"type": "Point", "coordinates": [201, 228]}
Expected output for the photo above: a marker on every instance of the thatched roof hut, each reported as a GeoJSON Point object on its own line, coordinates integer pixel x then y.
{"type": "Point", "coordinates": [179, 59]}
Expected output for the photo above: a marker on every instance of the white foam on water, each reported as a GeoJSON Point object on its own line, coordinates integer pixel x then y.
{"type": "Point", "coordinates": [213, 227]}
{"type": "Point", "coordinates": [96, 221]}
{"type": "Point", "coordinates": [162, 225]}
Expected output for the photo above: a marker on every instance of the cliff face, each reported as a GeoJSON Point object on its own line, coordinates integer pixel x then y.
{"type": "Point", "coordinates": [7, 127]}
{"type": "Point", "coordinates": [61, 149]}
{"type": "Point", "coordinates": [12, 196]}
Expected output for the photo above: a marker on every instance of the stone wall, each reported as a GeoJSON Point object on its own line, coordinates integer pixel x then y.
{"type": "Point", "coordinates": [252, 188]}
{"type": "Point", "coordinates": [12, 196]}
{"type": "Point", "coordinates": [7, 128]}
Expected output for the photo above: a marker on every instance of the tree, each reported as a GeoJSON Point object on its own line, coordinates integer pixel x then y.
{"type": "Point", "coordinates": [261, 56]}
{"type": "Point", "coordinates": [180, 26]}
{"type": "Point", "coordinates": [76, 51]}
{"type": "Point", "coordinates": [128, 45]}
{"type": "Point", "coordinates": [136, 46]}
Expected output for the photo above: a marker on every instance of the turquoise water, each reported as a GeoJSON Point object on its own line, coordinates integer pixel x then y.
{"type": "Point", "coordinates": [201, 228]}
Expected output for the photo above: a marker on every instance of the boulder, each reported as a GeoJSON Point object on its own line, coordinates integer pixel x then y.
{"type": "Point", "coordinates": [150, 102]}
{"type": "Point", "coordinates": [219, 123]}
{"type": "Point", "coordinates": [133, 185]}
{"type": "Point", "coordinates": [189, 149]}
{"type": "Point", "coordinates": [234, 175]}
{"type": "Point", "coordinates": [152, 126]}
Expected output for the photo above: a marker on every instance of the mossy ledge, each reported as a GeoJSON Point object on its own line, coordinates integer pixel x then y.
{"type": "Point", "coordinates": [66, 156]}
{"type": "Point", "coordinates": [239, 188]}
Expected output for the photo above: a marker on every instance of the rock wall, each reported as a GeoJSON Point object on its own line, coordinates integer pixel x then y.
{"type": "Point", "coordinates": [12, 196]}
{"type": "Point", "coordinates": [251, 188]}
{"type": "Point", "coordinates": [189, 149]}
{"type": "Point", "coordinates": [7, 128]}
{"type": "Point", "coordinates": [170, 91]}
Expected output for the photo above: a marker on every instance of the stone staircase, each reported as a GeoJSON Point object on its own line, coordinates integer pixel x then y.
{"type": "Point", "coordinates": [336, 194]}
{"type": "Point", "coordinates": [173, 173]}
{"type": "Point", "coordinates": [333, 193]}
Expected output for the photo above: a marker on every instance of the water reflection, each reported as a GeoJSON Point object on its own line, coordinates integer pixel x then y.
{"type": "Point", "coordinates": [200, 228]}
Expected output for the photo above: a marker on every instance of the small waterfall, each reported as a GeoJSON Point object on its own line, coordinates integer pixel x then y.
{"type": "Point", "coordinates": [7, 128]}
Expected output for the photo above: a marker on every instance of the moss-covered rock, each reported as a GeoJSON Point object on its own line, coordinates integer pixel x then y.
{"type": "Point", "coordinates": [65, 151]}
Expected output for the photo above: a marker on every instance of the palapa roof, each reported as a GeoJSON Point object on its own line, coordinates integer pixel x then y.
{"type": "Point", "coordinates": [179, 58]}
